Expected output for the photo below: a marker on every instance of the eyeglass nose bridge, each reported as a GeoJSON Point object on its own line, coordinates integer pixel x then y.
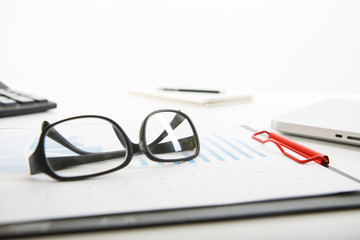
{"type": "Point", "coordinates": [138, 148]}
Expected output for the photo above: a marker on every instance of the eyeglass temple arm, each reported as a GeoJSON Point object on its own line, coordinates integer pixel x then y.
{"type": "Point", "coordinates": [56, 136]}
{"type": "Point", "coordinates": [33, 164]}
{"type": "Point", "coordinates": [186, 144]}
{"type": "Point", "coordinates": [58, 163]}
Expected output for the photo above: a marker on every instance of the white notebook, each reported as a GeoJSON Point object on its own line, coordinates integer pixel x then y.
{"type": "Point", "coordinates": [204, 99]}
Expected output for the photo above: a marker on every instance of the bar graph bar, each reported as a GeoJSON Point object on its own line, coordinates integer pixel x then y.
{"type": "Point", "coordinates": [143, 161]}
{"type": "Point", "coordinates": [234, 146]}
{"type": "Point", "coordinates": [250, 148]}
{"type": "Point", "coordinates": [224, 150]}
{"type": "Point", "coordinates": [203, 157]}
{"type": "Point", "coordinates": [212, 152]}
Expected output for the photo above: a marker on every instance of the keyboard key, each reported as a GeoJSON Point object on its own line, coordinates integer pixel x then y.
{"type": "Point", "coordinates": [19, 98]}
{"type": "Point", "coordinates": [7, 101]}
{"type": "Point", "coordinates": [37, 98]}
{"type": "Point", "coordinates": [24, 97]}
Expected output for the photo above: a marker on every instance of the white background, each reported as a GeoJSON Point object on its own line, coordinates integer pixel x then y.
{"type": "Point", "coordinates": [310, 46]}
{"type": "Point", "coordinates": [85, 55]}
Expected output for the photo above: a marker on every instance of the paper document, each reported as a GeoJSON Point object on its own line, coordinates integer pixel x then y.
{"type": "Point", "coordinates": [231, 168]}
{"type": "Point", "coordinates": [204, 99]}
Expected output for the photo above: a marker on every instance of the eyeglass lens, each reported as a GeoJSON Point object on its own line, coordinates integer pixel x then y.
{"type": "Point", "coordinates": [83, 146]}
{"type": "Point", "coordinates": [170, 136]}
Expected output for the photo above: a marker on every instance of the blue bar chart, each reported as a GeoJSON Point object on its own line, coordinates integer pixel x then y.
{"type": "Point", "coordinates": [216, 148]}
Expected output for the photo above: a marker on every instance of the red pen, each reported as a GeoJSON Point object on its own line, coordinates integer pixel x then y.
{"type": "Point", "coordinates": [283, 142]}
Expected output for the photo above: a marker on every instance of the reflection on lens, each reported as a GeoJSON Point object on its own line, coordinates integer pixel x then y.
{"type": "Point", "coordinates": [84, 146]}
{"type": "Point", "coordinates": [169, 136]}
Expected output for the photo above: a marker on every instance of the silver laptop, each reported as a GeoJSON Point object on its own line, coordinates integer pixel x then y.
{"type": "Point", "coordinates": [333, 120]}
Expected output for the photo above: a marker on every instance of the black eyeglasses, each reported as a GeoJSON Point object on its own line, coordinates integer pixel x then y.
{"type": "Point", "coordinates": [90, 145]}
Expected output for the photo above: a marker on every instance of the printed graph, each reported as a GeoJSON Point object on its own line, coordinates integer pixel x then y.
{"type": "Point", "coordinates": [214, 148]}
{"type": "Point", "coordinates": [14, 147]}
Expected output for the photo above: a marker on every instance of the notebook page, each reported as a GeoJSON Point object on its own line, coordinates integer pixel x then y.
{"type": "Point", "coordinates": [231, 168]}
{"type": "Point", "coordinates": [204, 99]}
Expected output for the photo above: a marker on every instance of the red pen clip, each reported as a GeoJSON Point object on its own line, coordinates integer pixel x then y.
{"type": "Point", "coordinates": [282, 142]}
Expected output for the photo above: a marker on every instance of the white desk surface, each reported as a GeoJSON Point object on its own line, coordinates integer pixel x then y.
{"type": "Point", "coordinates": [85, 55]}
{"type": "Point", "coordinates": [257, 113]}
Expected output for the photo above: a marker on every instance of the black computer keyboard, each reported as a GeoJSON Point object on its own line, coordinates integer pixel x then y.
{"type": "Point", "coordinates": [13, 102]}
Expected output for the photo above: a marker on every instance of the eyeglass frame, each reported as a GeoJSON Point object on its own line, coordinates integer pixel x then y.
{"type": "Point", "coordinates": [38, 161]}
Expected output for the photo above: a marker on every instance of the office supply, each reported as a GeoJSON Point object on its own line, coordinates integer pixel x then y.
{"type": "Point", "coordinates": [332, 119]}
{"type": "Point", "coordinates": [14, 102]}
{"type": "Point", "coordinates": [233, 177]}
{"type": "Point", "coordinates": [189, 90]}
{"type": "Point", "coordinates": [282, 142]}
{"type": "Point", "coordinates": [87, 146]}
{"type": "Point", "coordinates": [201, 98]}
